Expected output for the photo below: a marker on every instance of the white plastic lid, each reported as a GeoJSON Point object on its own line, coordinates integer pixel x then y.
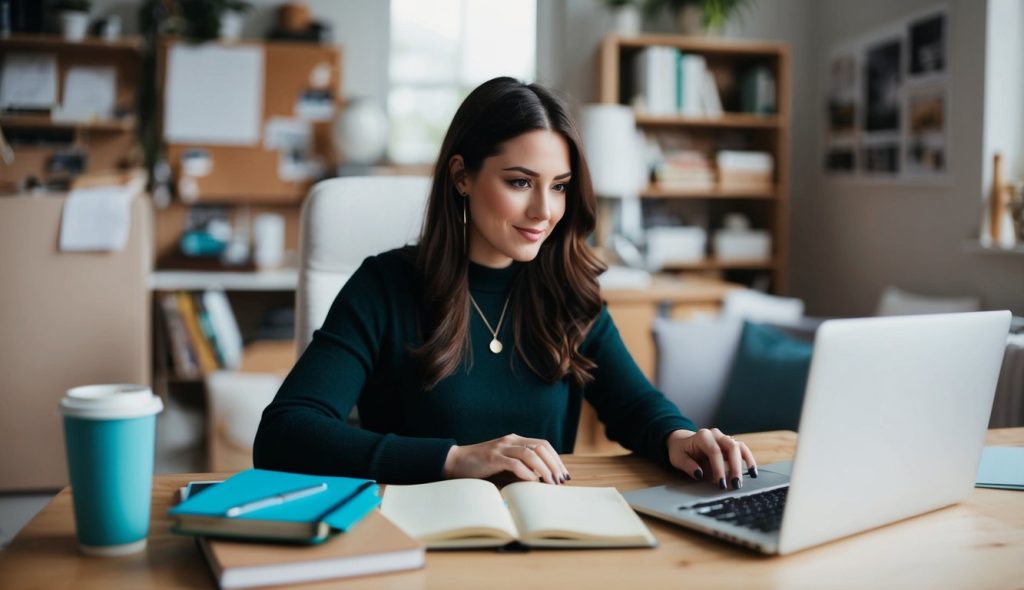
{"type": "Point", "coordinates": [111, 401]}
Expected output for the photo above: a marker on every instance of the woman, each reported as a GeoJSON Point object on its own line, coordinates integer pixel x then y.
{"type": "Point", "coordinates": [470, 354]}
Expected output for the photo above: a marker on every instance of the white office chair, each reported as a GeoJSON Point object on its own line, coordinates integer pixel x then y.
{"type": "Point", "coordinates": [344, 220]}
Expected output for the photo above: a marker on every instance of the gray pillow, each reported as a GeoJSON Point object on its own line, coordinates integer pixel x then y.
{"type": "Point", "coordinates": [694, 358]}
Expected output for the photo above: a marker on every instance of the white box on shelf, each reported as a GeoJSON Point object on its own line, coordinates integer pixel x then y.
{"type": "Point", "coordinates": [742, 245]}
{"type": "Point", "coordinates": [675, 245]}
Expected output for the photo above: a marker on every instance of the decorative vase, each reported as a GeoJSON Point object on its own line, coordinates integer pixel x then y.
{"type": "Point", "coordinates": [361, 131]}
{"type": "Point", "coordinates": [74, 24]}
{"type": "Point", "coordinates": [231, 25]}
{"type": "Point", "coordinates": [626, 21]}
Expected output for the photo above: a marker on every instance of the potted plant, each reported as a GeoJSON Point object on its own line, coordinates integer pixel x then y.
{"type": "Point", "coordinates": [74, 18]}
{"type": "Point", "coordinates": [232, 17]}
{"type": "Point", "coordinates": [625, 16]}
{"type": "Point", "coordinates": [698, 16]}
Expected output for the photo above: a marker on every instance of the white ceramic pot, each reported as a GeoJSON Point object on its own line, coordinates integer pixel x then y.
{"type": "Point", "coordinates": [74, 24]}
{"type": "Point", "coordinates": [231, 25]}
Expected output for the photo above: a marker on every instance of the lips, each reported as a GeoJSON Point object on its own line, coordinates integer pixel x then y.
{"type": "Point", "coordinates": [530, 234]}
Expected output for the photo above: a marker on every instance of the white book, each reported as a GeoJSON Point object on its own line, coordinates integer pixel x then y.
{"type": "Point", "coordinates": [745, 161]}
{"type": "Point", "coordinates": [711, 102]}
{"type": "Point", "coordinates": [229, 337]}
{"type": "Point", "coordinates": [693, 68]}
{"type": "Point", "coordinates": [471, 513]}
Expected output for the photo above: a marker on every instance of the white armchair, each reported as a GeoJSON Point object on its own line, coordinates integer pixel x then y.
{"type": "Point", "coordinates": [344, 220]}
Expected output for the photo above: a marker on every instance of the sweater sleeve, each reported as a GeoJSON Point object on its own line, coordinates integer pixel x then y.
{"type": "Point", "coordinates": [634, 412]}
{"type": "Point", "coordinates": [305, 428]}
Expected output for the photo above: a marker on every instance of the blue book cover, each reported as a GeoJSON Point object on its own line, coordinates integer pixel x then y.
{"type": "Point", "coordinates": [271, 510]}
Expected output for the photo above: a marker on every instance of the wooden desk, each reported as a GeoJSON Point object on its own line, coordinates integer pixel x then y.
{"type": "Point", "coordinates": [977, 544]}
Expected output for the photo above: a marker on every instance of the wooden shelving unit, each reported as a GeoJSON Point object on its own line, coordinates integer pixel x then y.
{"type": "Point", "coordinates": [766, 206]}
{"type": "Point", "coordinates": [108, 144]}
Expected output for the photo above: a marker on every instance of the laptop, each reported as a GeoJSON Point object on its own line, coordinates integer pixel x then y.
{"type": "Point", "coordinates": [893, 425]}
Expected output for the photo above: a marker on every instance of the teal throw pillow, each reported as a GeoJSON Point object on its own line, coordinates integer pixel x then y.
{"type": "Point", "coordinates": [767, 381]}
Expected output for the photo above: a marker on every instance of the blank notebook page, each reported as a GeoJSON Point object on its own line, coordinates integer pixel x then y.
{"type": "Point", "coordinates": [425, 510]}
{"type": "Point", "coordinates": [590, 512]}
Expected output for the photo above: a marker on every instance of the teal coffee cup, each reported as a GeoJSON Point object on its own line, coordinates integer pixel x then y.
{"type": "Point", "coordinates": [109, 435]}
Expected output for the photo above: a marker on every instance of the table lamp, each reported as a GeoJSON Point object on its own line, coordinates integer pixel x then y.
{"type": "Point", "coordinates": [614, 155]}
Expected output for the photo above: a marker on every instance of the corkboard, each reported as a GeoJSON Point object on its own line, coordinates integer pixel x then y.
{"type": "Point", "coordinates": [250, 174]}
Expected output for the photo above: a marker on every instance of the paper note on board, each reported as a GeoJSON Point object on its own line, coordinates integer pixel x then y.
{"type": "Point", "coordinates": [214, 95]}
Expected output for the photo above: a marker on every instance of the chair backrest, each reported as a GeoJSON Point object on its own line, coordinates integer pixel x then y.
{"type": "Point", "coordinates": [345, 220]}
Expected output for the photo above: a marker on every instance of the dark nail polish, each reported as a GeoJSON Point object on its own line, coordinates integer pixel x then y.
{"type": "Point", "coordinates": [567, 476]}
{"type": "Point", "coordinates": [721, 484]}
{"type": "Point", "coordinates": [752, 472]}
{"type": "Point", "coordinates": [737, 483]}
{"type": "Point", "coordinates": [698, 474]}
{"type": "Point", "coordinates": [561, 480]}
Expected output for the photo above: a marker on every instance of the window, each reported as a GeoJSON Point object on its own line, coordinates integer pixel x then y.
{"type": "Point", "coordinates": [440, 51]}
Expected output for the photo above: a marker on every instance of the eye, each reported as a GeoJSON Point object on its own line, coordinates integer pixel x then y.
{"type": "Point", "coordinates": [561, 187]}
{"type": "Point", "coordinates": [519, 183]}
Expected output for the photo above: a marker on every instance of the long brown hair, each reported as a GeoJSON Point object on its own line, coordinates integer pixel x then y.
{"type": "Point", "coordinates": [555, 298]}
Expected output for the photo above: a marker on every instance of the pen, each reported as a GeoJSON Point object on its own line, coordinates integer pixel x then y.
{"type": "Point", "coordinates": [275, 500]}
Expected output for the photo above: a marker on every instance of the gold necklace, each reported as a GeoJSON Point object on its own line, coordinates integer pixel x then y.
{"type": "Point", "coordinates": [495, 345]}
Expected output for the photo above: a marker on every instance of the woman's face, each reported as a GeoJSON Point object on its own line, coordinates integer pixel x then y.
{"type": "Point", "coordinates": [517, 198]}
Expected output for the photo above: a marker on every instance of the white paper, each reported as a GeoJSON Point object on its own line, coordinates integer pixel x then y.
{"type": "Point", "coordinates": [29, 80]}
{"type": "Point", "coordinates": [89, 92]}
{"type": "Point", "coordinates": [282, 133]}
{"type": "Point", "coordinates": [96, 219]}
{"type": "Point", "coordinates": [214, 95]}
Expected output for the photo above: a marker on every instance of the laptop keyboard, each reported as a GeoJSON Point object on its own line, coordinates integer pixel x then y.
{"type": "Point", "coordinates": [761, 511]}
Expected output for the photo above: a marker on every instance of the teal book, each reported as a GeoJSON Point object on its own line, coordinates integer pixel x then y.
{"type": "Point", "coordinates": [1001, 468]}
{"type": "Point", "coordinates": [277, 506]}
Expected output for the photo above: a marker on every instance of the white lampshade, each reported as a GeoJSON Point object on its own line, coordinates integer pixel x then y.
{"type": "Point", "coordinates": [610, 142]}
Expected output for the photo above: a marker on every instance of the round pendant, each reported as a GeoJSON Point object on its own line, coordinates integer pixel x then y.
{"type": "Point", "coordinates": [495, 346]}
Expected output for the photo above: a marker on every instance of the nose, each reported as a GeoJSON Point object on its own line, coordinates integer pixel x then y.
{"type": "Point", "coordinates": [540, 205]}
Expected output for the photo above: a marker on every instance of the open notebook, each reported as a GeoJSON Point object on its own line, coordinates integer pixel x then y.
{"type": "Point", "coordinates": [472, 513]}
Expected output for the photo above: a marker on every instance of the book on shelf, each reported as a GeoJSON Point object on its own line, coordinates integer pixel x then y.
{"type": "Point", "coordinates": [197, 340]}
{"type": "Point", "coordinates": [274, 505]}
{"type": "Point", "coordinates": [668, 82]}
{"type": "Point", "coordinates": [225, 327]}
{"type": "Point", "coordinates": [373, 546]}
{"type": "Point", "coordinates": [182, 357]}
{"type": "Point", "coordinates": [202, 331]}
{"type": "Point", "coordinates": [745, 170]}
{"type": "Point", "coordinates": [472, 513]}
{"type": "Point", "coordinates": [684, 169]}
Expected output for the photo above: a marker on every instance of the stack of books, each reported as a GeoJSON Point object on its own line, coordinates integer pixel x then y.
{"type": "Point", "coordinates": [202, 331]}
{"type": "Point", "coordinates": [745, 170]}
{"type": "Point", "coordinates": [262, 528]}
{"type": "Point", "coordinates": [684, 169]}
{"type": "Point", "coordinates": [667, 81]}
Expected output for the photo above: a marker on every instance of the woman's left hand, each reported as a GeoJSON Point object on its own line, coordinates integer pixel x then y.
{"type": "Point", "coordinates": [709, 452]}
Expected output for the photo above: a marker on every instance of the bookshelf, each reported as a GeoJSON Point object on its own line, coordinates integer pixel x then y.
{"type": "Point", "coordinates": [764, 204]}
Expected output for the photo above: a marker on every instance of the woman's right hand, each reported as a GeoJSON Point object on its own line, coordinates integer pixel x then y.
{"type": "Point", "coordinates": [525, 458]}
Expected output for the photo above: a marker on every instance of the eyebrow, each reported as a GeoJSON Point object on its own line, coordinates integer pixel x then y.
{"type": "Point", "coordinates": [529, 172]}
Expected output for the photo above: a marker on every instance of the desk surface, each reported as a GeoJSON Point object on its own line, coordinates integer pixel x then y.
{"type": "Point", "coordinates": [978, 544]}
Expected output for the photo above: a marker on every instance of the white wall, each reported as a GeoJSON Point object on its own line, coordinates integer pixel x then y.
{"type": "Point", "coordinates": [850, 239]}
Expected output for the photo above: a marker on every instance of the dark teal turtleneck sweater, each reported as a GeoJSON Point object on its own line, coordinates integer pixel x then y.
{"type": "Point", "coordinates": [359, 358]}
